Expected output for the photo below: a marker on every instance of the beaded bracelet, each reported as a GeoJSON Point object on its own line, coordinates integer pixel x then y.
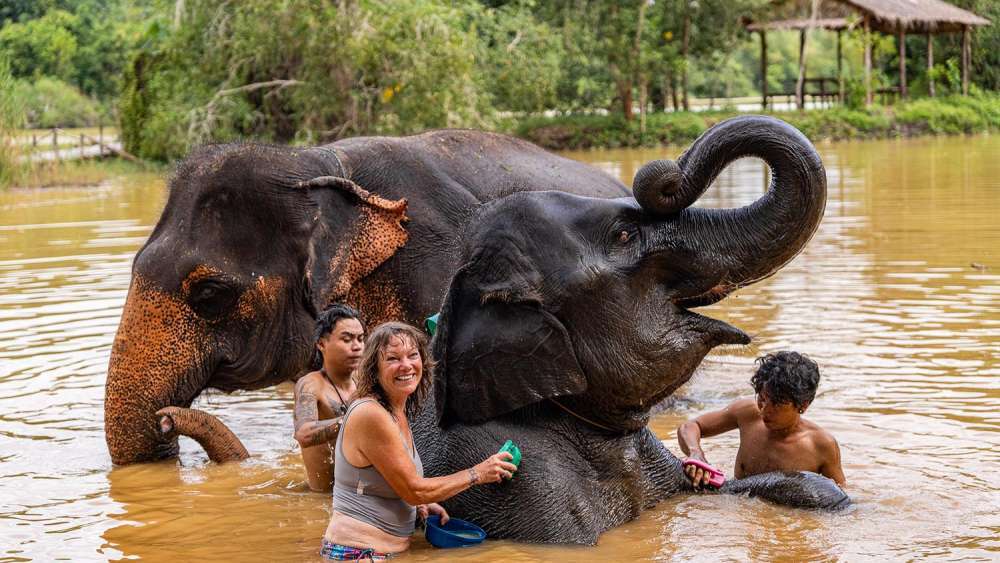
{"type": "Point", "coordinates": [473, 476]}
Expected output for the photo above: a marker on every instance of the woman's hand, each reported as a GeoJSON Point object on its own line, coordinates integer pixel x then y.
{"type": "Point", "coordinates": [494, 468]}
{"type": "Point", "coordinates": [425, 510]}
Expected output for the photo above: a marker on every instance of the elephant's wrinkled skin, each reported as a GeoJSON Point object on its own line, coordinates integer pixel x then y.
{"type": "Point", "coordinates": [249, 246]}
{"type": "Point", "coordinates": [569, 318]}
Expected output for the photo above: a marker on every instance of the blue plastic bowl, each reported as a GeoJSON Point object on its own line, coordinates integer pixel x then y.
{"type": "Point", "coordinates": [456, 533]}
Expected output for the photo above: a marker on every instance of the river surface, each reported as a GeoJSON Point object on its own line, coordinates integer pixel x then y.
{"type": "Point", "coordinates": [897, 297]}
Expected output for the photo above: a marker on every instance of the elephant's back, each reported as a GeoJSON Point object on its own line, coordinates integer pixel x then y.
{"type": "Point", "coordinates": [484, 165]}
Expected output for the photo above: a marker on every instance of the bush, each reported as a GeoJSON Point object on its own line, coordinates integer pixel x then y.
{"type": "Point", "coordinates": [951, 115]}
{"type": "Point", "coordinates": [49, 102]}
{"type": "Point", "coordinates": [933, 116]}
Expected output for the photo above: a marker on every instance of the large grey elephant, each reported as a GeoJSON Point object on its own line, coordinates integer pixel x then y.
{"type": "Point", "coordinates": [254, 239]}
{"type": "Point", "coordinates": [570, 317]}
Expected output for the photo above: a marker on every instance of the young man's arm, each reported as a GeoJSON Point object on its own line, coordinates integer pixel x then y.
{"type": "Point", "coordinates": [690, 433]}
{"type": "Point", "coordinates": [830, 462]}
{"type": "Point", "coordinates": [314, 436]}
{"type": "Point", "coordinates": [309, 429]}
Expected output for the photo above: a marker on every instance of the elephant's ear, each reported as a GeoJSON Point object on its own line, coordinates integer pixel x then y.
{"type": "Point", "coordinates": [372, 237]}
{"type": "Point", "coordinates": [498, 350]}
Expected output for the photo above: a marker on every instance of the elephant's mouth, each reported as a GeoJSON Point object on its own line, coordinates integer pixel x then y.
{"type": "Point", "coordinates": [705, 333]}
{"type": "Point", "coordinates": [714, 331]}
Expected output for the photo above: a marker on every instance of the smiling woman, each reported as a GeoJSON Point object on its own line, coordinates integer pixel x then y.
{"type": "Point", "coordinates": [379, 483]}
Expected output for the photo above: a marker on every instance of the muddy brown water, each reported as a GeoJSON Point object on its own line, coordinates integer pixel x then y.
{"type": "Point", "coordinates": [897, 297]}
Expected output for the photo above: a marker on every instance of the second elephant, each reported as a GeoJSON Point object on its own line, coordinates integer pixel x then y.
{"type": "Point", "coordinates": [570, 317]}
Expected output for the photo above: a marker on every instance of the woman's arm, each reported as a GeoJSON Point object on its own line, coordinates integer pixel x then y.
{"type": "Point", "coordinates": [376, 436]}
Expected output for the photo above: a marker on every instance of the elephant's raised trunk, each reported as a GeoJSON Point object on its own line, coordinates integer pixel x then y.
{"type": "Point", "coordinates": [158, 360]}
{"type": "Point", "coordinates": [750, 243]}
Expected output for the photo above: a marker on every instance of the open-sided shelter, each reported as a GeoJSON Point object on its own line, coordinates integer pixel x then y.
{"type": "Point", "coordinates": [896, 17]}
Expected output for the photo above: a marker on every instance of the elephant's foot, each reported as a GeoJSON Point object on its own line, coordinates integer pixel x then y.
{"type": "Point", "coordinates": [799, 489]}
{"type": "Point", "coordinates": [218, 441]}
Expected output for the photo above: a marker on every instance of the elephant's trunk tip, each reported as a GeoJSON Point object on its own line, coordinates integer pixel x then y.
{"type": "Point", "coordinates": [219, 442]}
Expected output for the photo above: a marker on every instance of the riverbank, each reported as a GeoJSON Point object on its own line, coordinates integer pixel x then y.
{"type": "Point", "coordinates": [77, 173]}
{"type": "Point", "coordinates": [954, 115]}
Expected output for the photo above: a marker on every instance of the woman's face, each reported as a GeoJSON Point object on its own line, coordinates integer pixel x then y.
{"type": "Point", "coordinates": [400, 368]}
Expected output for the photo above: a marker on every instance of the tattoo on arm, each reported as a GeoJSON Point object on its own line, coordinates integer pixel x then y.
{"type": "Point", "coordinates": [306, 410]}
{"type": "Point", "coordinates": [322, 432]}
{"type": "Point", "coordinates": [307, 422]}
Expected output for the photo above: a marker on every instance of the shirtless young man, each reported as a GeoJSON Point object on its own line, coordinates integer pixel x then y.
{"type": "Point", "coordinates": [773, 434]}
{"type": "Point", "coordinates": [322, 396]}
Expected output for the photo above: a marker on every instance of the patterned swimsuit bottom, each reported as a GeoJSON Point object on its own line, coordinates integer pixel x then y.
{"type": "Point", "coordinates": [337, 552]}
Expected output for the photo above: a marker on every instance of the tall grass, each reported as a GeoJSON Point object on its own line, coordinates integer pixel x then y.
{"type": "Point", "coordinates": [11, 119]}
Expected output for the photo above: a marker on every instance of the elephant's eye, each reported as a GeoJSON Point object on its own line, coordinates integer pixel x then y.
{"type": "Point", "coordinates": [625, 236]}
{"type": "Point", "coordinates": [211, 298]}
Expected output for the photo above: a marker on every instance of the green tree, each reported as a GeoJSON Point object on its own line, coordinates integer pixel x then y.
{"type": "Point", "coordinates": [13, 11]}
{"type": "Point", "coordinates": [300, 70]}
{"type": "Point", "coordinates": [520, 58]}
{"type": "Point", "coordinates": [43, 46]}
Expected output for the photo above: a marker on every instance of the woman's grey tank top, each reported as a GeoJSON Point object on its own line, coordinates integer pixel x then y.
{"type": "Point", "coordinates": [363, 494]}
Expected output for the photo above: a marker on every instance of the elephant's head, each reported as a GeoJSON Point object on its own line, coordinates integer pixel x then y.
{"type": "Point", "coordinates": [588, 301]}
{"type": "Point", "coordinates": [252, 240]}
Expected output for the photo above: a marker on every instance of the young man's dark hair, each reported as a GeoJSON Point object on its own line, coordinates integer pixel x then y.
{"type": "Point", "coordinates": [786, 377]}
{"type": "Point", "coordinates": [325, 323]}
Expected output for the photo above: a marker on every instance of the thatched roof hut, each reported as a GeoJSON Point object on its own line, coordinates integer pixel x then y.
{"type": "Point", "coordinates": [915, 16]}
{"type": "Point", "coordinates": [894, 17]}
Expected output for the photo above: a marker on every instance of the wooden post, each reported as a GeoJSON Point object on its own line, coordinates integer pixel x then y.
{"type": "Point", "coordinates": [868, 62]}
{"type": "Point", "coordinates": [763, 69]}
{"type": "Point", "coordinates": [673, 89]}
{"type": "Point", "coordinates": [800, 84]}
{"type": "Point", "coordinates": [966, 59]}
{"type": "Point", "coordinates": [81, 145]}
{"type": "Point", "coordinates": [34, 140]}
{"type": "Point", "coordinates": [840, 68]}
{"type": "Point", "coordinates": [55, 141]}
{"type": "Point", "coordinates": [901, 38]}
{"type": "Point", "coordinates": [100, 138]}
{"type": "Point", "coordinates": [930, 64]}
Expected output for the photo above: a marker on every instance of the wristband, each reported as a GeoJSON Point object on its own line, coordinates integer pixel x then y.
{"type": "Point", "coordinates": [473, 476]}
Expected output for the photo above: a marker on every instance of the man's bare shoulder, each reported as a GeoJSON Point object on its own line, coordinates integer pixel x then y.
{"type": "Point", "coordinates": [744, 409]}
{"type": "Point", "coordinates": [311, 382]}
{"type": "Point", "coordinates": [824, 441]}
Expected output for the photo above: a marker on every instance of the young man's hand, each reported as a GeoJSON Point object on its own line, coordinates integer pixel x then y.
{"type": "Point", "coordinates": [698, 476]}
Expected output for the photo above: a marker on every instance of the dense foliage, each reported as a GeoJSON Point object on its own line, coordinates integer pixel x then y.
{"type": "Point", "coordinates": [180, 72]}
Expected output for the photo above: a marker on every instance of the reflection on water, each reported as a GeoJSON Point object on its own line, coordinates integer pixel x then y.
{"type": "Point", "coordinates": [897, 297]}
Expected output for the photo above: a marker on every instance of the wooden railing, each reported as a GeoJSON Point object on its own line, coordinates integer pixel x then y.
{"type": "Point", "coordinates": [80, 145]}
{"type": "Point", "coordinates": [822, 89]}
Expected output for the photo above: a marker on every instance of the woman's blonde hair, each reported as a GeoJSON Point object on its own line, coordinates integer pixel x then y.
{"type": "Point", "coordinates": [375, 345]}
